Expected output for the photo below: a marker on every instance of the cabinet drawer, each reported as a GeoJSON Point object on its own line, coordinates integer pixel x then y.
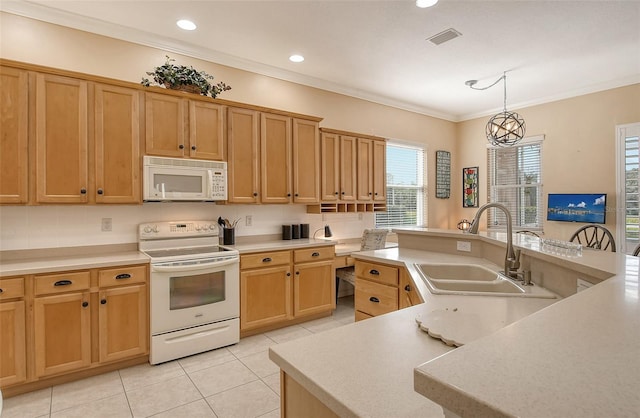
{"type": "Point", "coordinates": [375, 299]}
{"type": "Point", "coordinates": [122, 276]}
{"type": "Point", "coordinates": [11, 288]}
{"type": "Point", "coordinates": [250, 261]}
{"type": "Point", "coordinates": [377, 272]}
{"type": "Point", "coordinates": [62, 282]}
{"type": "Point", "coordinates": [313, 254]}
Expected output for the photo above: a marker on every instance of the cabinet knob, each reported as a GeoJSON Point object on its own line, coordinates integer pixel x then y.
{"type": "Point", "coordinates": [369, 193]}
{"type": "Point", "coordinates": [100, 191]}
{"type": "Point", "coordinates": [1, 291]}
{"type": "Point", "coordinates": [336, 193]}
{"type": "Point", "coordinates": [85, 304]}
{"type": "Point", "coordinates": [255, 194]}
{"type": "Point", "coordinates": [83, 191]}
{"type": "Point", "coordinates": [288, 274]}
{"type": "Point", "coordinates": [103, 302]}
{"type": "Point", "coordinates": [374, 299]}
{"type": "Point", "coordinates": [407, 288]}
{"type": "Point", "coordinates": [342, 192]}
{"type": "Point", "coordinates": [296, 195]}
{"type": "Point", "coordinates": [374, 272]}
{"type": "Point", "coordinates": [376, 193]}
{"type": "Point", "coordinates": [288, 194]}
{"type": "Point", "coordinates": [193, 147]}
{"type": "Point", "coordinates": [297, 273]}
{"type": "Point", "coordinates": [181, 146]}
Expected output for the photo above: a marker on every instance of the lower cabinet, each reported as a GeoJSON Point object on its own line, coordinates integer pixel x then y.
{"type": "Point", "coordinates": [81, 319]}
{"type": "Point", "coordinates": [278, 288]}
{"type": "Point", "coordinates": [382, 288]}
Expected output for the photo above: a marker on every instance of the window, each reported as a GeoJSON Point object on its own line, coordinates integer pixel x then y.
{"type": "Point", "coordinates": [627, 179]}
{"type": "Point", "coordinates": [406, 188]}
{"type": "Point", "coordinates": [515, 180]}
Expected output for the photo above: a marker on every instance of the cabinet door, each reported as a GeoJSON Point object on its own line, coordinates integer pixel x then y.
{"type": "Point", "coordinates": [61, 140]}
{"type": "Point", "coordinates": [408, 295]}
{"type": "Point", "coordinates": [379, 171]}
{"type": "Point", "coordinates": [365, 169]}
{"type": "Point", "coordinates": [330, 167]}
{"type": "Point", "coordinates": [265, 297]}
{"type": "Point", "coordinates": [206, 131]}
{"type": "Point", "coordinates": [13, 367]}
{"type": "Point", "coordinates": [117, 144]}
{"type": "Point", "coordinates": [62, 333]}
{"type": "Point", "coordinates": [348, 159]}
{"type": "Point", "coordinates": [14, 89]}
{"type": "Point", "coordinates": [243, 163]}
{"type": "Point", "coordinates": [122, 318]}
{"type": "Point", "coordinates": [275, 158]}
{"type": "Point", "coordinates": [314, 288]}
{"type": "Point", "coordinates": [165, 125]}
{"type": "Point", "coordinates": [306, 161]}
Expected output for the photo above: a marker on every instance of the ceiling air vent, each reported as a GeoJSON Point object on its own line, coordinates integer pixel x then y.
{"type": "Point", "coordinates": [444, 36]}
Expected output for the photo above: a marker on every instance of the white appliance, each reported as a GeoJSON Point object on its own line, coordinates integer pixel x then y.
{"type": "Point", "coordinates": [194, 289]}
{"type": "Point", "coordinates": [182, 179]}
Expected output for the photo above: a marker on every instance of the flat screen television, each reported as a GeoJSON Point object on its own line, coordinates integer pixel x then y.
{"type": "Point", "coordinates": [576, 207]}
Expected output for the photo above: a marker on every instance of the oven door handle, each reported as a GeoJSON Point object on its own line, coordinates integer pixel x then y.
{"type": "Point", "coordinates": [192, 267]}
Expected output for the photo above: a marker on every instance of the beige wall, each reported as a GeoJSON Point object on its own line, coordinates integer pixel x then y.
{"type": "Point", "coordinates": [579, 150]}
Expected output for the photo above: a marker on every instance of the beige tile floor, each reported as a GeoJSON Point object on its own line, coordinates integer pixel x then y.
{"type": "Point", "coordinates": [234, 381]}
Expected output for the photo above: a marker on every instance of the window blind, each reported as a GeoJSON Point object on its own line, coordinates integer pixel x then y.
{"type": "Point", "coordinates": [631, 194]}
{"type": "Point", "coordinates": [406, 188]}
{"type": "Point", "coordinates": [515, 180]}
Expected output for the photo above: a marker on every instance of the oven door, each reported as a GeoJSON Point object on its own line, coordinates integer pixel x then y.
{"type": "Point", "coordinates": [184, 295]}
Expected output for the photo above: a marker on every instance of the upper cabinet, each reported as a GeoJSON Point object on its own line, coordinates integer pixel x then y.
{"type": "Point", "coordinates": [61, 140]}
{"type": "Point", "coordinates": [14, 110]}
{"type": "Point", "coordinates": [179, 127]}
{"type": "Point", "coordinates": [273, 158]}
{"type": "Point", "coordinates": [379, 171]}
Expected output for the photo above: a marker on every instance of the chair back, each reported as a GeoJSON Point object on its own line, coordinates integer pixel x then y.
{"type": "Point", "coordinates": [373, 239]}
{"type": "Point", "coordinates": [637, 250]}
{"type": "Point", "coordinates": [527, 232]}
{"type": "Point", "coordinates": [596, 237]}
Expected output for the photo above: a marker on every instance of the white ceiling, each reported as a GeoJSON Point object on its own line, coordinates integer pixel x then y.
{"type": "Point", "coordinates": [377, 50]}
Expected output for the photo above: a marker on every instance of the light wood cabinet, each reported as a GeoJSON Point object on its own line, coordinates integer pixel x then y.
{"type": "Point", "coordinates": [117, 144]}
{"type": "Point", "coordinates": [14, 89]}
{"type": "Point", "coordinates": [243, 170]}
{"type": "Point", "coordinates": [306, 161]}
{"type": "Point", "coordinates": [62, 322]}
{"type": "Point", "coordinates": [13, 366]}
{"type": "Point", "coordinates": [179, 127]}
{"type": "Point", "coordinates": [348, 168]}
{"type": "Point", "coordinates": [329, 167]}
{"type": "Point", "coordinates": [61, 140]}
{"type": "Point", "coordinates": [275, 158]}
{"type": "Point", "coordinates": [379, 171]}
{"type": "Point", "coordinates": [278, 288]}
{"type": "Point", "coordinates": [381, 289]}
{"type": "Point", "coordinates": [365, 170]}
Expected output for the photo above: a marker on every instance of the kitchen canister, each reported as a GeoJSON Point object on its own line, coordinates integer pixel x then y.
{"type": "Point", "coordinates": [295, 231]}
{"type": "Point", "coordinates": [304, 230]}
{"type": "Point", "coordinates": [286, 231]}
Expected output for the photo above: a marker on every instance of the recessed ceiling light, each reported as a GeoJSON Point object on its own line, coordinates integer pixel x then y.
{"type": "Point", "coordinates": [425, 3]}
{"type": "Point", "coordinates": [186, 24]}
{"type": "Point", "coordinates": [296, 58]}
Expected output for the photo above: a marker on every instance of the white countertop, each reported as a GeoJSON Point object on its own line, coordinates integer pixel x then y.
{"type": "Point", "coordinates": [366, 369]}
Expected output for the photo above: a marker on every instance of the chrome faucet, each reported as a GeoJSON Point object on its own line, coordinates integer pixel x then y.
{"type": "Point", "coordinates": [511, 257]}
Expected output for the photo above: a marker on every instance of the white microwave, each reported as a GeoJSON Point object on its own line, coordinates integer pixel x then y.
{"type": "Point", "coordinates": [177, 179]}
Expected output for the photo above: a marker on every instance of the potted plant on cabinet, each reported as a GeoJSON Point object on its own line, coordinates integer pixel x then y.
{"type": "Point", "coordinates": [180, 77]}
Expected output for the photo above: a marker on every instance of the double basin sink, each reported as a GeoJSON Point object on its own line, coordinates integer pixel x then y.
{"type": "Point", "coordinates": [474, 279]}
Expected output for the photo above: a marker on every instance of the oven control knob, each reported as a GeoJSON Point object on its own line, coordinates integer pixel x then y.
{"type": "Point", "coordinates": [155, 229]}
{"type": "Point", "coordinates": [147, 229]}
{"type": "Point", "coordinates": [212, 227]}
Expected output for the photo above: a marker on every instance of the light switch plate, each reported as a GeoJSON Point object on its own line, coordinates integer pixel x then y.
{"type": "Point", "coordinates": [463, 246]}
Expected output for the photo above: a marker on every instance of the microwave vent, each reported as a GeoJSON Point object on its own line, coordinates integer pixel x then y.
{"type": "Point", "coordinates": [184, 162]}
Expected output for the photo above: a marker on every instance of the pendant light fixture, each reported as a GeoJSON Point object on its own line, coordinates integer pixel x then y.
{"type": "Point", "coordinates": [506, 128]}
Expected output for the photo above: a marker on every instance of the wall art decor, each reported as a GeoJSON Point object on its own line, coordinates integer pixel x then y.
{"type": "Point", "coordinates": [443, 174]}
{"type": "Point", "coordinates": [470, 187]}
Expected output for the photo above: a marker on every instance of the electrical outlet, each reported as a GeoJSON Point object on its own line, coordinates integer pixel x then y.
{"type": "Point", "coordinates": [248, 220]}
{"type": "Point", "coordinates": [107, 224]}
{"type": "Point", "coordinates": [463, 246]}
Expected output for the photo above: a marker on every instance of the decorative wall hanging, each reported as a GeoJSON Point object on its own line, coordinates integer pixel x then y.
{"type": "Point", "coordinates": [443, 174]}
{"type": "Point", "coordinates": [470, 187]}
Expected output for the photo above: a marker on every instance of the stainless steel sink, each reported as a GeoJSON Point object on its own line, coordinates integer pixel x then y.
{"type": "Point", "coordinates": [473, 279]}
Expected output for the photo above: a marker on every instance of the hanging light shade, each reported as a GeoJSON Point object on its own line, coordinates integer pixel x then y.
{"type": "Point", "coordinates": [506, 128]}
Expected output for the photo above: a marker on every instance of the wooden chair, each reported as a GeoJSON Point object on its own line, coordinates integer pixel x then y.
{"type": "Point", "coordinates": [372, 239]}
{"type": "Point", "coordinates": [637, 250]}
{"type": "Point", "coordinates": [526, 232]}
{"type": "Point", "coordinates": [596, 237]}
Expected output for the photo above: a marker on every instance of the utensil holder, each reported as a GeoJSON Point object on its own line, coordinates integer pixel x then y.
{"type": "Point", "coordinates": [228, 236]}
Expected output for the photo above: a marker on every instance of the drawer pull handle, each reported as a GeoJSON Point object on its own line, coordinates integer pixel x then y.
{"type": "Point", "coordinates": [374, 299]}
{"type": "Point", "coordinates": [374, 272]}
{"type": "Point", "coordinates": [316, 254]}
{"type": "Point", "coordinates": [123, 276]}
{"type": "Point", "coordinates": [266, 260]}
{"type": "Point", "coordinates": [63, 283]}
{"type": "Point", "coordinates": [407, 288]}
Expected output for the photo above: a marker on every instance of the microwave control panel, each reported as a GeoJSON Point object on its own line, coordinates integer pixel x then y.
{"type": "Point", "coordinates": [218, 181]}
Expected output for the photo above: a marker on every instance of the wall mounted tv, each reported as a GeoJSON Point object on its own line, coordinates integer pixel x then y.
{"type": "Point", "coordinates": [574, 207]}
